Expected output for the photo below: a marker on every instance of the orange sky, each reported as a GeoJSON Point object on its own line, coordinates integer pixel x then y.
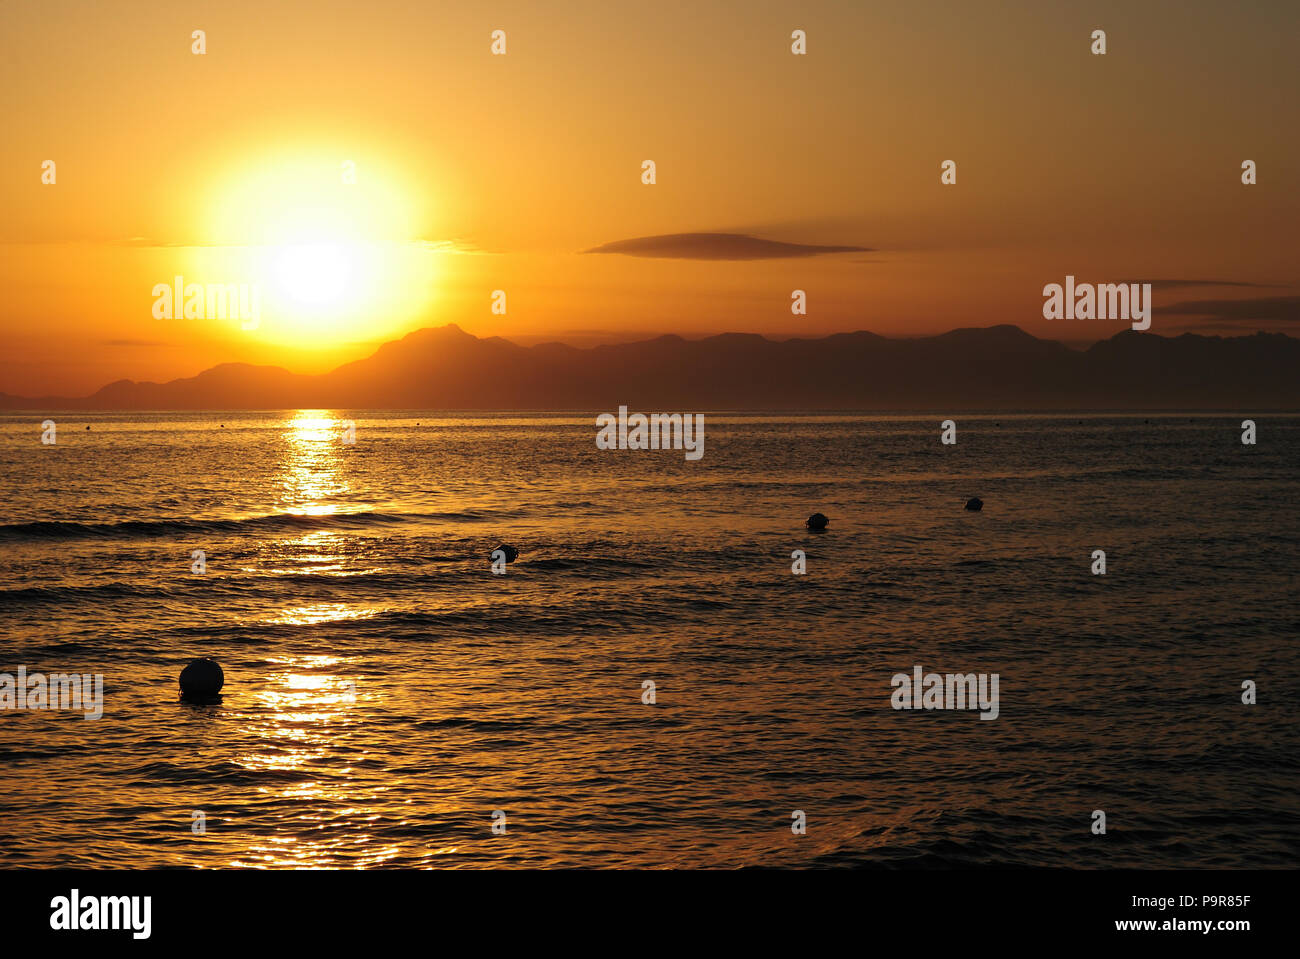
{"type": "Point", "coordinates": [477, 172]}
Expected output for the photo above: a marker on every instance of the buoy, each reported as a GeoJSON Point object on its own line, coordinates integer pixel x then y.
{"type": "Point", "coordinates": [202, 679]}
{"type": "Point", "coordinates": [512, 554]}
{"type": "Point", "coordinates": [817, 521]}
{"type": "Point", "coordinates": [974, 504]}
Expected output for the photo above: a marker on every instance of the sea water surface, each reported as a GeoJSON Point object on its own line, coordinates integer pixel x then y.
{"type": "Point", "coordinates": [386, 692]}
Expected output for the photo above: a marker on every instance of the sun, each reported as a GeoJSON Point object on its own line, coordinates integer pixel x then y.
{"type": "Point", "coordinates": [333, 245]}
{"type": "Point", "coordinates": [316, 273]}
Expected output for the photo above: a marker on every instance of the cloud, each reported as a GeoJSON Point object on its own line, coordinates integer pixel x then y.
{"type": "Point", "coordinates": [1268, 309]}
{"type": "Point", "coordinates": [457, 247]}
{"type": "Point", "coordinates": [147, 242]}
{"type": "Point", "coordinates": [1179, 284]}
{"type": "Point", "coordinates": [718, 246]}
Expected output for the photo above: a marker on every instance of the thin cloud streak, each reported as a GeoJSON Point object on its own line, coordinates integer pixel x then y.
{"type": "Point", "coordinates": [1182, 284]}
{"type": "Point", "coordinates": [1273, 309]}
{"type": "Point", "coordinates": [719, 246]}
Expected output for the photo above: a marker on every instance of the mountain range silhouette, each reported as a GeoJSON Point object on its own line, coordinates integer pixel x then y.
{"type": "Point", "coordinates": [999, 367]}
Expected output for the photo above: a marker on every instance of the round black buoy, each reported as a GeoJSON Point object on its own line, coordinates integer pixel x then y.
{"type": "Point", "coordinates": [202, 679]}
{"type": "Point", "coordinates": [817, 521]}
{"type": "Point", "coordinates": [974, 504]}
{"type": "Point", "coordinates": [511, 553]}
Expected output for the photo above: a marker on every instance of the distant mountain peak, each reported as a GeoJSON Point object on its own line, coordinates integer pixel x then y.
{"type": "Point", "coordinates": [998, 367]}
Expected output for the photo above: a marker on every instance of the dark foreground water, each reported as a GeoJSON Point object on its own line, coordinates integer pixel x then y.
{"type": "Point", "coordinates": [386, 692]}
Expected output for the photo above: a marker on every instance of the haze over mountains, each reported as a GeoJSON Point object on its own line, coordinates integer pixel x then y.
{"type": "Point", "coordinates": [999, 367]}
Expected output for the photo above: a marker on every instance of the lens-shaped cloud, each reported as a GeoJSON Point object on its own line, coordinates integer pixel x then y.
{"type": "Point", "coordinates": [718, 246]}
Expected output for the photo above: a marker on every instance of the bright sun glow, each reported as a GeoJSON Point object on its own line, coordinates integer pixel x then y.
{"type": "Point", "coordinates": [335, 251]}
{"type": "Point", "coordinates": [316, 273]}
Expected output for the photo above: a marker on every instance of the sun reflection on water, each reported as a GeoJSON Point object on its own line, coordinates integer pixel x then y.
{"type": "Point", "coordinates": [321, 552]}
{"type": "Point", "coordinates": [304, 726]}
{"type": "Point", "coordinates": [319, 613]}
{"type": "Point", "coordinates": [298, 716]}
{"type": "Point", "coordinates": [311, 478]}
{"type": "Point", "coordinates": [306, 729]}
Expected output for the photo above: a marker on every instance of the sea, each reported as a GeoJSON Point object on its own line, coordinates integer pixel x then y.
{"type": "Point", "coordinates": [652, 683]}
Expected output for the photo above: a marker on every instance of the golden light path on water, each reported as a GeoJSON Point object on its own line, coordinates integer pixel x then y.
{"type": "Point", "coordinates": [305, 705]}
{"type": "Point", "coordinates": [311, 471]}
{"type": "Point", "coordinates": [297, 715]}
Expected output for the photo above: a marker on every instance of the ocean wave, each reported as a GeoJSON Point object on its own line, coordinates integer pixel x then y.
{"type": "Point", "coordinates": [131, 529]}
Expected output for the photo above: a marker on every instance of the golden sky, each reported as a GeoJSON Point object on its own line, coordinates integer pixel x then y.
{"type": "Point", "coordinates": [477, 172]}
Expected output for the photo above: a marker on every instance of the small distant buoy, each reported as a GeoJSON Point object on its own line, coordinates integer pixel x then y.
{"type": "Point", "coordinates": [512, 554]}
{"type": "Point", "coordinates": [202, 679]}
{"type": "Point", "coordinates": [974, 504]}
{"type": "Point", "coordinates": [817, 521]}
